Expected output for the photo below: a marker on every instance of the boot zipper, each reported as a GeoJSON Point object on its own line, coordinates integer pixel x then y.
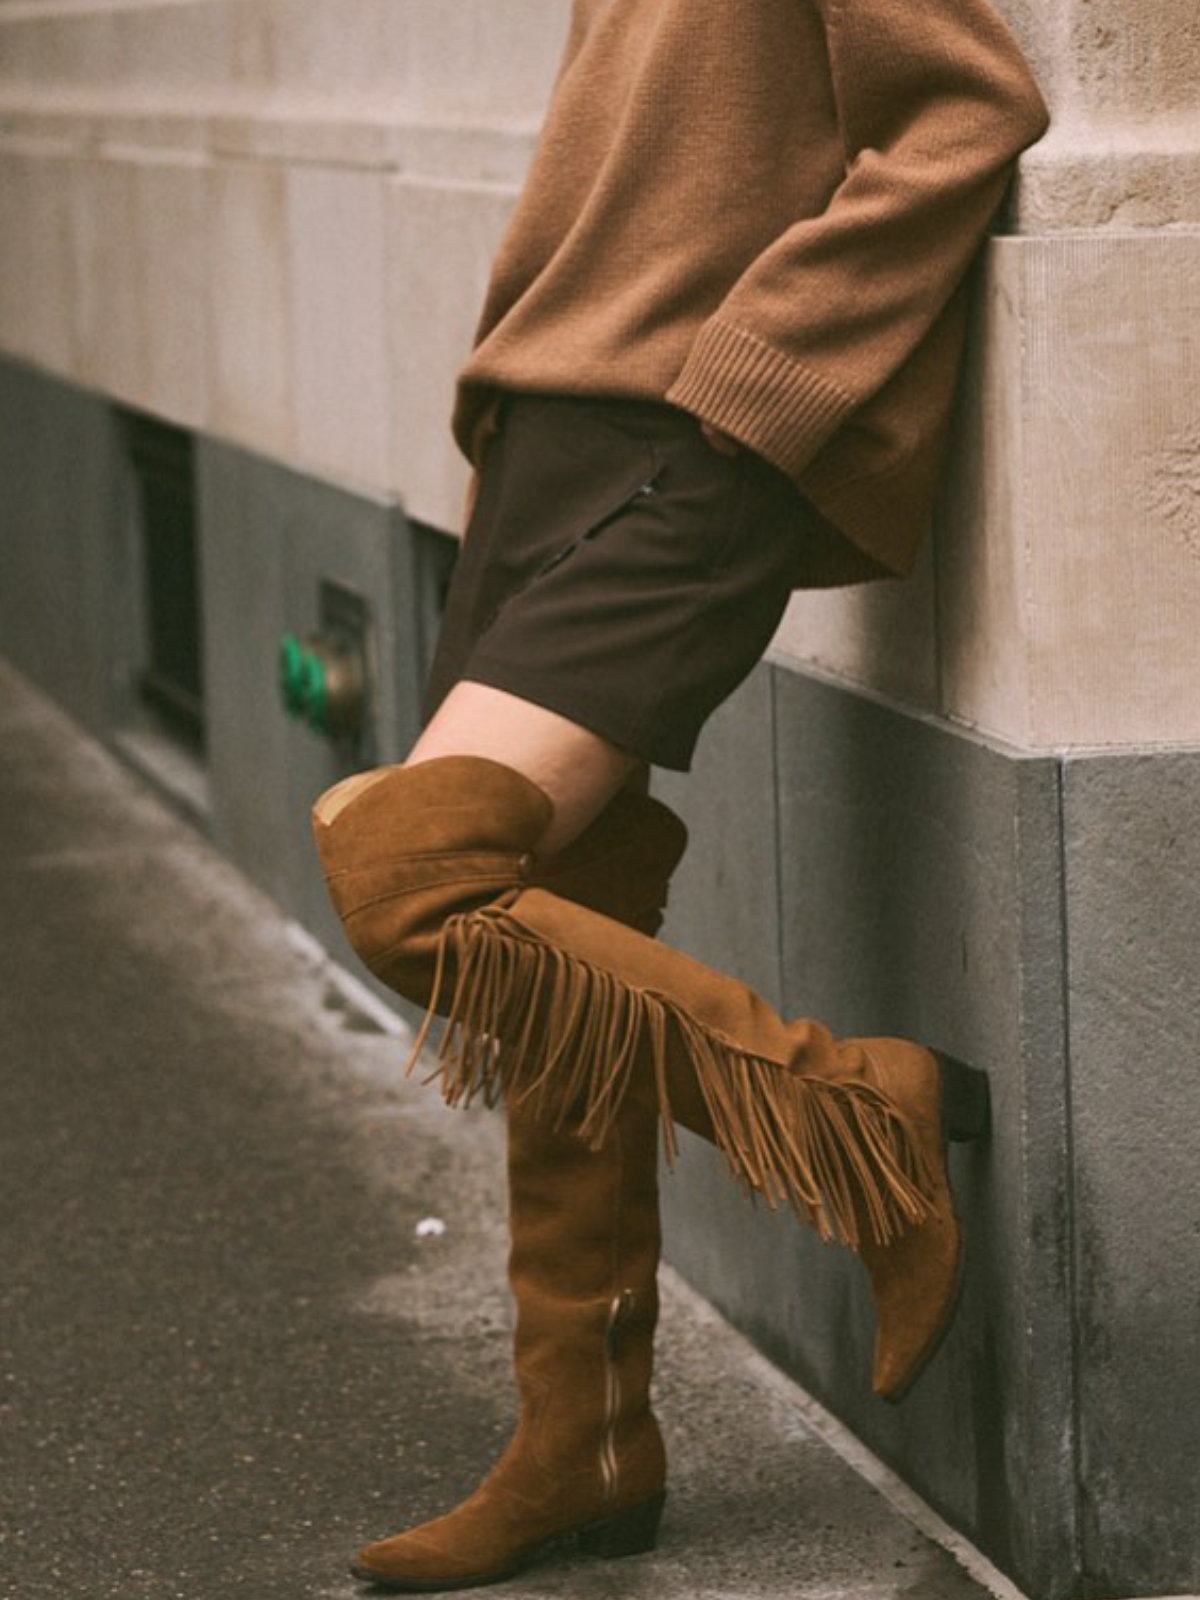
{"type": "Point", "coordinates": [618, 1314]}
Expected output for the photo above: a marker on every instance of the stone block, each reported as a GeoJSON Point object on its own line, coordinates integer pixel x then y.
{"type": "Point", "coordinates": [883, 635]}
{"type": "Point", "coordinates": [724, 902]}
{"type": "Point", "coordinates": [312, 47]}
{"type": "Point", "coordinates": [1132, 850]}
{"type": "Point", "coordinates": [441, 241]}
{"type": "Point", "coordinates": [1132, 60]}
{"type": "Point", "coordinates": [980, 560]}
{"type": "Point", "coordinates": [919, 894]}
{"type": "Point", "coordinates": [105, 308]}
{"type": "Point", "coordinates": [724, 909]}
{"type": "Point", "coordinates": [1110, 176]}
{"type": "Point", "coordinates": [37, 283]}
{"type": "Point", "coordinates": [250, 372]}
{"type": "Point", "coordinates": [1069, 575]}
{"type": "Point", "coordinates": [136, 313]}
{"type": "Point", "coordinates": [921, 897]}
{"type": "Point", "coordinates": [1033, 22]}
{"type": "Point", "coordinates": [268, 537]}
{"type": "Point", "coordinates": [169, 222]}
{"type": "Point", "coordinates": [476, 59]}
{"type": "Point", "coordinates": [240, 529]}
{"type": "Point", "coordinates": [483, 59]}
{"type": "Point", "coordinates": [1066, 560]}
{"type": "Point", "coordinates": [171, 50]}
{"type": "Point", "coordinates": [339, 333]}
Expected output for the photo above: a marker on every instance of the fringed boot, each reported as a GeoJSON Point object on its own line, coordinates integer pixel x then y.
{"type": "Point", "coordinates": [586, 1464]}
{"type": "Point", "coordinates": [558, 1008]}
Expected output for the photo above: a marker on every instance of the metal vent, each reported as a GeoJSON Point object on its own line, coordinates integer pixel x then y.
{"type": "Point", "coordinates": [170, 678]}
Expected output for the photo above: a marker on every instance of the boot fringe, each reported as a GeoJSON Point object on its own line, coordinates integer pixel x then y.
{"type": "Point", "coordinates": [546, 1030]}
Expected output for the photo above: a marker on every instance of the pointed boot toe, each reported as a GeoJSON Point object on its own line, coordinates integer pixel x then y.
{"type": "Point", "coordinates": [521, 1513]}
{"type": "Point", "coordinates": [411, 1562]}
{"type": "Point", "coordinates": [916, 1279]}
{"type": "Point", "coordinates": [915, 1283]}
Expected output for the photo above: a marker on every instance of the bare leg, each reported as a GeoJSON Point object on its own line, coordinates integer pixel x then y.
{"type": "Point", "coordinates": [576, 768]}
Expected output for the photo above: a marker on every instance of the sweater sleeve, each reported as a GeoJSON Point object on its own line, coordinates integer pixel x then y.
{"type": "Point", "coordinates": [935, 102]}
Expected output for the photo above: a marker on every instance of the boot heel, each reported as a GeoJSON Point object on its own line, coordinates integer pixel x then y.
{"type": "Point", "coordinates": [632, 1532]}
{"type": "Point", "coordinates": [966, 1100]}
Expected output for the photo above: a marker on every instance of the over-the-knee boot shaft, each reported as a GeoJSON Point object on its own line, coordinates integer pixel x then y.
{"type": "Point", "coordinates": [559, 1008]}
{"type": "Point", "coordinates": [587, 1457]}
{"type": "Point", "coordinates": [562, 1008]}
{"type": "Point", "coordinates": [402, 847]}
{"type": "Point", "coordinates": [557, 1005]}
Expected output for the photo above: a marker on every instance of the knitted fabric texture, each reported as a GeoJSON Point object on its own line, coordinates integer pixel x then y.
{"type": "Point", "coordinates": [765, 215]}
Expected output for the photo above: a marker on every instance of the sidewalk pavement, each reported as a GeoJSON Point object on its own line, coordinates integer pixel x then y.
{"type": "Point", "coordinates": [229, 1350]}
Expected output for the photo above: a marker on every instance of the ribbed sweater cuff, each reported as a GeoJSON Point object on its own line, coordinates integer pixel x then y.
{"type": "Point", "coordinates": [747, 388]}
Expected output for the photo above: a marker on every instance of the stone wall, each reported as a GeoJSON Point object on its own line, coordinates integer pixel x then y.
{"type": "Point", "coordinates": [271, 221]}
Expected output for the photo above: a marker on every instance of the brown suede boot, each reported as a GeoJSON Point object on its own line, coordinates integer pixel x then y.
{"type": "Point", "coordinates": [586, 1465]}
{"type": "Point", "coordinates": [586, 1462]}
{"type": "Point", "coordinates": [916, 1276]}
{"type": "Point", "coordinates": [621, 866]}
{"type": "Point", "coordinates": [558, 1008]}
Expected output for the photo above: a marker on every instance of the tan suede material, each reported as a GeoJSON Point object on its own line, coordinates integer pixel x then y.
{"type": "Point", "coordinates": [494, 1532]}
{"type": "Point", "coordinates": [563, 1010]}
{"type": "Point", "coordinates": [585, 1238]}
{"type": "Point", "coordinates": [622, 863]}
{"type": "Point", "coordinates": [727, 1006]}
{"type": "Point", "coordinates": [914, 1280]}
{"type": "Point", "coordinates": [585, 1242]}
{"type": "Point", "coordinates": [585, 1235]}
{"type": "Point", "coordinates": [580, 1006]}
{"type": "Point", "coordinates": [913, 1266]}
{"type": "Point", "coordinates": [417, 844]}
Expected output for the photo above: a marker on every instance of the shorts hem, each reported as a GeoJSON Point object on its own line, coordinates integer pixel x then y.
{"type": "Point", "coordinates": [590, 714]}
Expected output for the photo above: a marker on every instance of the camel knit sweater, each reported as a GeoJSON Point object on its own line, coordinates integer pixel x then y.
{"type": "Point", "coordinates": [763, 211]}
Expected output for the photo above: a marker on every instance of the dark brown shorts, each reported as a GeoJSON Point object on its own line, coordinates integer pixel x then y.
{"type": "Point", "coordinates": [618, 570]}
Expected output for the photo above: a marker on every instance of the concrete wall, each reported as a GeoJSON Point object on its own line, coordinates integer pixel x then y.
{"type": "Point", "coordinates": [891, 876]}
{"type": "Point", "coordinates": [266, 220]}
{"type": "Point", "coordinates": [1056, 604]}
{"type": "Point", "coordinates": [71, 616]}
{"type": "Point", "coordinates": [1037, 915]}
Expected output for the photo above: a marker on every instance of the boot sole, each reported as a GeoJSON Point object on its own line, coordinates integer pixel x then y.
{"type": "Point", "coordinates": [966, 1107]}
{"type": "Point", "coordinates": [632, 1532]}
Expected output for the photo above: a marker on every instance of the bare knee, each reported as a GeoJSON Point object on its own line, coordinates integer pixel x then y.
{"type": "Point", "coordinates": [576, 769]}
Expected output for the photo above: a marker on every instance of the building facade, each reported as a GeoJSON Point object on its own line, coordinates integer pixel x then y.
{"type": "Point", "coordinates": [242, 246]}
